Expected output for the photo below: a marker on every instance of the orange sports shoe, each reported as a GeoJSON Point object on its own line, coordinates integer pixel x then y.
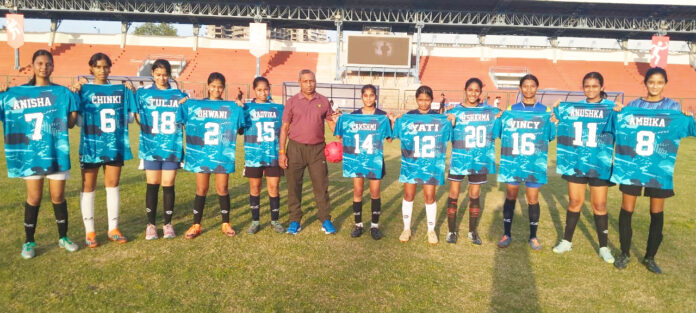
{"type": "Point", "coordinates": [116, 236]}
{"type": "Point", "coordinates": [228, 230]}
{"type": "Point", "coordinates": [193, 231]}
{"type": "Point", "coordinates": [91, 240]}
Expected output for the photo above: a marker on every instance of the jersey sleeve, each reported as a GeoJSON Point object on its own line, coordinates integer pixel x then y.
{"type": "Point", "coordinates": [447, 130]}
{"type": "Point", "coordinates": [182, 113]}
{"type": "Point", "coordinates": [550, 130]}
{"type": "Point", "coordinates": [2, 107]}
{"type": "Point", "coordinates": [385, 128]}
{"type": "Point", "coordinates": [610, 127]}
{"type": "Point", "coordinates": [692, 124]}
{"type": "Point", "coordinates": [73, 102]}
{"type": "Point", "coordinates": [240, 117]}
{"type": "Point", "coordinates": [397, 127]}
{"type": "Point", "coordinates": [498, 127]}
{"type": "Point", "coordinates": [338, 130]}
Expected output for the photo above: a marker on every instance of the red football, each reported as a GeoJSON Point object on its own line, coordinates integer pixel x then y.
{"type": "Point", "coordinates": [334, 152]}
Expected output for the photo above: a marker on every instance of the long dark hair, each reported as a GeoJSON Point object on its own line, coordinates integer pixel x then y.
{"type": "Point", "coordinates": [599, 78]}
{"type": "Point", "coordinates": [37, 54]}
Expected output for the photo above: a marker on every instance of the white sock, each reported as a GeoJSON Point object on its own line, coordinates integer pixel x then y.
{"type": "Point", "coordinates": [87, 208]}
{"type": "Point", "coordinates": [430, 214]}
{"type": "Point", "coordinates": [373, 225]}
{"type": "Point", "coordinates": [113, 203]}
{"type": "Point", "coordinates": [359, 224]}
{"type": "Point", "coordinates": [406, 212]}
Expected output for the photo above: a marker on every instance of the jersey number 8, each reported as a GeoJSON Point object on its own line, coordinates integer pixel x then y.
{"type": "Point", "coordinates": [645, 143]}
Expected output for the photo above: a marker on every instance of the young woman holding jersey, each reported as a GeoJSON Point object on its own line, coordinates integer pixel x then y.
{"type": "Point", "coordinates": [528, 88]}
{"type": "Point", "coordinates": [261, 153]}
{"type": "Point", "coordinates": [424, 97]}
{"type": "Point", "coordinates": [208, 143]}
{"type": "Point", "coordinates": [104, 113]}
{"type": "Point", "coordinates": [369, 98]}
{"type": "Point", "coordinates": [593, 87]}
{"type": "Point", "coordinates": [655, 81]}
{"type": "Point", "coordinates": [161, 144]}
{"type": "Point", "coordinates": [473, 88]}
{"type": "Point", "coordinates": [36, 118]}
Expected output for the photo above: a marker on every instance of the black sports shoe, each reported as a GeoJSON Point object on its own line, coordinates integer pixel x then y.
{"type": "Point", "coordinates": [652, 266]}
{"type": "Point", "coordinates": [357, 231]}
{"type": "Point", "coordinates": [452, 237]}
{"type": "Point", "coordinates": [376, 233]}
{"type": "Point", "coordinates": [475, 239]}
{"type": "Point", "coordinates": [622, 261]}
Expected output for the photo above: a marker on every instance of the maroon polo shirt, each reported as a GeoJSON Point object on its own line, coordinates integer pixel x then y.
{"type": "Point", "coordinates": [306, 118]}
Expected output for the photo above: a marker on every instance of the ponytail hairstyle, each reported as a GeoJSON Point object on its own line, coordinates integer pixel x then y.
{"type": "Point", "coordinates": [38, 53]}
{"type": "Point", "coordinates": [598, 77]}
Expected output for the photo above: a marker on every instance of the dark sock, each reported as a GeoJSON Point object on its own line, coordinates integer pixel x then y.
{"type": "Point", "coordinates": [254, 206]}
{"type": "Point", "coordinates": [224, 207]}
{"type": "Point", "coordinates": [275, 207]}
{"type": "Point", "coordinates": [571, 221]}
{"type": "Point", "coordinates": [376, 207]}
{"type": "Point", "coordinates": [508, 213]}
{"type": "Point", "coordinates": [602, 224]}
{"type": "Point", "coordinates": [357, 212]}
{"type": "Point", "coordinates": [534, 213]}
{"type": "Point", "coordinates": [625, 231]}
{"type": "Point", "coordinates": [655, 234]}
{"type": "Point", "coordinates": [452, 214]}
{"type": "Point", "coordinates": [474, 213]}
{"type": "Point", "coordinates": [168, 203]}
{"type": "Point", "coordinates": [61, 212]}
{"type": "Point", "coordinates": [198, 205]}
{"type": "Point", "coordinates": [31, 215]}
{"type": "Point", "coordinates": [151, 197]}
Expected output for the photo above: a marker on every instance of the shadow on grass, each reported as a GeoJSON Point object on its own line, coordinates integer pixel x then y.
{"type": "Point", "coordinates": [514, 285]}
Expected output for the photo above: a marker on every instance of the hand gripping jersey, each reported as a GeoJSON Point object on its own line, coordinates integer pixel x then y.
{"type": "Point", "coordinates": [211, 135]}
{"type": "Point", "coordinates": [262, 123]}
{"type": "Point", "coordinates": [473, 145]}
{"type": "Point", "coordinates": [363, 144]}
{"type": "Point", "coordinates": [583, 149]}
{"type": "Point", "coordinates": [161, 138]}
{"type": "Point", "coordinates": [35, 122]}
{"type": "Point", "coordinates": [647, 141]}
{"type": "Point", "coordinates": [104, 110]}
{"type": "Point", "coordinates": [525, 137]}
{"type": "Point", "coordinates": [424, 140]}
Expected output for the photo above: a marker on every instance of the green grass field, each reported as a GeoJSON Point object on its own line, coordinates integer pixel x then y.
{"type": "Point", "coordinates": [316, 272]}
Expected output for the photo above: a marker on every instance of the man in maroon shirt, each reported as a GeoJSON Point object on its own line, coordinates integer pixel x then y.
{"type": "Point", "coordinates": [303, 124]}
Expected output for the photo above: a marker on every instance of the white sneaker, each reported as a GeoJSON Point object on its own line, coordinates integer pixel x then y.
{"type": "Point", "coordinates": [432, 237]}
{"type": "Point", "coordinates": [405, 235]}
{"type": "Point", "coordinates": [605, 253]}
{"type": "Point", "coordinates": [563, 247]}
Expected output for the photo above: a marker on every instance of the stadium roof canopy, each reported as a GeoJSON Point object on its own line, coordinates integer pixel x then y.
{"type": "Point", "coordinates": [592, 18]}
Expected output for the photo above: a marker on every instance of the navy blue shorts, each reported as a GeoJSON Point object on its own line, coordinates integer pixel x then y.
{"type": "Point", "coordinates": [528, 184]}
{"type": "Point", "coordinates": [160, 165]}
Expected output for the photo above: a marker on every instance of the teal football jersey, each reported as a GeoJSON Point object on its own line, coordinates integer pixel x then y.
{"type": "Point", "coordinates": [473, 145]}
{"type": "Point", "coordinates": [647, 141]}
{"type": "Point", "coordinates": [35, 124]}
{"type": "Point", "coordinates": [161, 137]}
{"type": "Point", "coordinates": [363, 144]}
{"type": "Point", "coordinates": [424, 140]}
{"type": "Point", "coordinates": [583, 149]}
{"type": "Point", "coordinates": [524, 146]}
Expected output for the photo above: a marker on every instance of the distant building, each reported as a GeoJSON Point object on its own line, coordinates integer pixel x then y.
{"type": "Point", "coordinates": [293, 34]}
